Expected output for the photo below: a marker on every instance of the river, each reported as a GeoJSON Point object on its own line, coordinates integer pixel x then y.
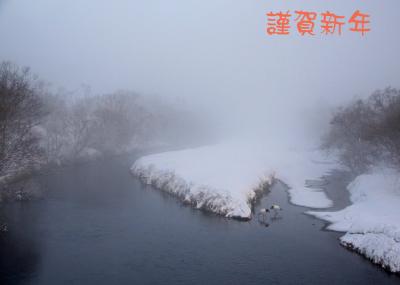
{"type": "Point", "coordinates": [99, 225]}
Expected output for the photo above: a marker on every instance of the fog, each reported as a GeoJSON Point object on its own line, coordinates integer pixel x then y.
{"type": "Point", "coordinates": [213, 55]}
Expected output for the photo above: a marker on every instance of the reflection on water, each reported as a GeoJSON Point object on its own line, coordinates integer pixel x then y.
{"type": "Point", "coordinates": [19, 251]}
{"type": "Point", "coordinates": [99, 225]}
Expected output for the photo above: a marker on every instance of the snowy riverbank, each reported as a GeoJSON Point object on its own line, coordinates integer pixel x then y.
{"type": "Point", "coordinates": [227, 178]}
{"type": "Point", "coordinates": [372, 222]}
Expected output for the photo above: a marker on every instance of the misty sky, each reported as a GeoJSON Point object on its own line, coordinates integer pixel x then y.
{"type": "Point", "coordinates": [214, 53]}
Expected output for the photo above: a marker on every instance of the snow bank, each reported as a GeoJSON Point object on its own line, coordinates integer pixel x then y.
{"type": "Point", "coordinates": [227, 178]}
{"type": "Point", "coordinates": [372, 222]}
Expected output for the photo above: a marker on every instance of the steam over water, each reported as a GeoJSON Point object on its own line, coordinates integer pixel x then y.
{"type": "Point", "coordinates": [212, 56]}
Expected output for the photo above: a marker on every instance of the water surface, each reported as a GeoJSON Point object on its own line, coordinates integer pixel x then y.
{"type": "Point", "coordinates": [99, 225]}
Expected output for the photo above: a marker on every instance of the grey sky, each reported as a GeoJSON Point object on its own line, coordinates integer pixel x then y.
{"type": "Point", "coordinates": [211, 52]}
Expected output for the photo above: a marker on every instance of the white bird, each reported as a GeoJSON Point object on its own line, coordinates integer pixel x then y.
{"type": "Point", "coordinates": [263, 213]}
{"type": "Point", "coordinates": [276, 207]}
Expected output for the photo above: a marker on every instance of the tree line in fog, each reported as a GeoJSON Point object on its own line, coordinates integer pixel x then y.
{"type": "Point", "coordinates": [39, 127]}
{"type": "Point", "coordinates": [366, 132]}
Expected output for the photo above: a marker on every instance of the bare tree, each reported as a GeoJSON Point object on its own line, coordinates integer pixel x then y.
{"type": "Point", "coordinates": [79, 125]}
{"type": "Point", "coordinates": [54, 141]}
{"type": "Point", "coordinates": [367, 131]}
{"type": "Point", "coordinates": [20, 111]}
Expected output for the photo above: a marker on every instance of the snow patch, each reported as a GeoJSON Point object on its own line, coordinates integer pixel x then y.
{"type": "Point", "coordinates": [227, 178]}
{"type": "Point", "coordinates": [372, 222]}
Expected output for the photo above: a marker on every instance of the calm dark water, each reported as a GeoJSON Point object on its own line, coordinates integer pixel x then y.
{"type": "Point", "coordinates": [99, 225]}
